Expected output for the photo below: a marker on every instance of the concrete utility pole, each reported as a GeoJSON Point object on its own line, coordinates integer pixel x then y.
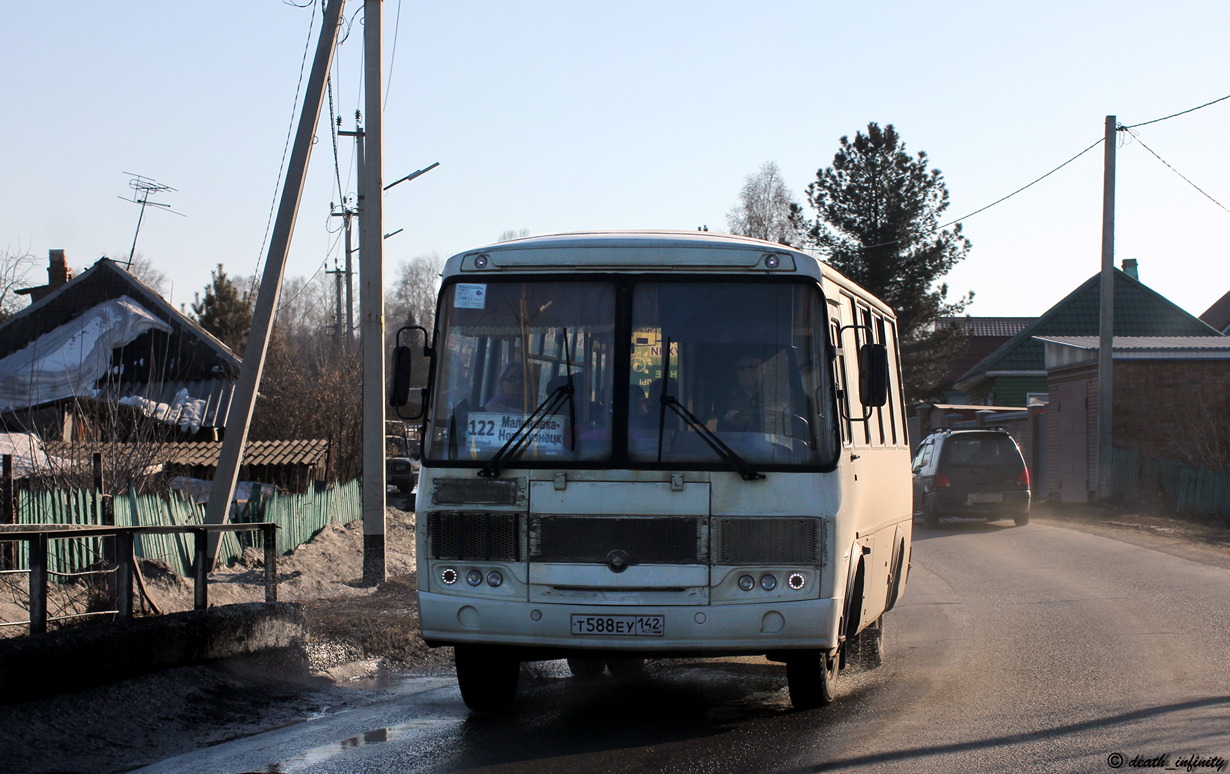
{"type": "Point", "coordinates": [1106, 328]}
{"type": "Point", "coordinates": [240, 418]}
{"type": "Point", "coordinates": [371, 298]}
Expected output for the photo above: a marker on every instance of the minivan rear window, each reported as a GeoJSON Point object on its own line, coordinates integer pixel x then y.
{"type": "Point", "coordinates": [989, 449]}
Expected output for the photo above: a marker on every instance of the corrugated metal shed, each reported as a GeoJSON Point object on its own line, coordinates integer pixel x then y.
{"type": "Point", "coordinates": [296, 452]}
{"type": "Point", "coordinates": [291, 464]}
{"type": "Point", "coordinates": [1069, 350]}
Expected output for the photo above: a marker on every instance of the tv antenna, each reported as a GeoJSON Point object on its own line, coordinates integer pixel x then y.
{"type": "Point", "coordinates": [142, 187]}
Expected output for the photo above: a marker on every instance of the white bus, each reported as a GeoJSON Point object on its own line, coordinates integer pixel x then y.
{"type": "Point", "coordinates": [658, 444]}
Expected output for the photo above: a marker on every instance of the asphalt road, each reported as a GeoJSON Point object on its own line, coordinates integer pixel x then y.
{"type": "Point", "coordinates": [1039, 648]}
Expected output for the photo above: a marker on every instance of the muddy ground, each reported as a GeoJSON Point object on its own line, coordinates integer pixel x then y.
{"type": "Point", "coordinates": [357, 636]}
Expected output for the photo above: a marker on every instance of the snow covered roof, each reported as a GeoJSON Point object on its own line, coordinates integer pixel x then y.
{"type": "Point", "coordinates": [87, 339]}
{"type": "Point", "coordinates": [27, 452]}
{"type": "Point", "coordinates": [68, 361]}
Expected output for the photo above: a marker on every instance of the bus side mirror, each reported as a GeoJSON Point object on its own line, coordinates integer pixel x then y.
{"type": "Point", "coordinates": [402, 395]}
{"type": "Point", "coordinates": [403, 361]}
{"type": "Point", "coordinates": [873, 374]}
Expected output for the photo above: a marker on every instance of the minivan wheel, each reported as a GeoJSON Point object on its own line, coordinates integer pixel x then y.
{"type": "Point", "coordinates": [1021, 519]}
{"type": "Point", "coordinates": [930, 517]}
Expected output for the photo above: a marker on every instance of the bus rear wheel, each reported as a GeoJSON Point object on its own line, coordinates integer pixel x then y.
{"type": "Point", "coordinates": [812, 678]}
{"type": "Point", "coordinates": [487, 677]}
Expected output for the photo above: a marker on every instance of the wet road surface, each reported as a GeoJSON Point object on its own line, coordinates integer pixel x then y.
{"type": "Point", "coordinates": [1038, 648]}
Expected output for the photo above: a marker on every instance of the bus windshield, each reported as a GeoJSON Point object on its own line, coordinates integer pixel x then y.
{"type": "Point", "coordinates": [689, 373]}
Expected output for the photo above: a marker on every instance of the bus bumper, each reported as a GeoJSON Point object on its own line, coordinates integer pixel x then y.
{"type": "Point", "coordinates": [686, 629]}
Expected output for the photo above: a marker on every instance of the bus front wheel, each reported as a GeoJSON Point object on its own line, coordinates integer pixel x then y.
{"type": "Point", "coordinates": [812, 678]}
{"type": "Point", "coordinates": [487, 677]}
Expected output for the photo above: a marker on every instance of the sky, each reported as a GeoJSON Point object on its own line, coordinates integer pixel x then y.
{"type": "Point", "coordinates": [562, 116]}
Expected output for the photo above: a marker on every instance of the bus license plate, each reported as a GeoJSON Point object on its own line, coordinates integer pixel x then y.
{"type": "Point", "coordinates": [619, 625]}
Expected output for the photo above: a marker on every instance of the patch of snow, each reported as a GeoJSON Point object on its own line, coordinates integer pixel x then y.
{"type": "Point", "coordinates": [184, 410]}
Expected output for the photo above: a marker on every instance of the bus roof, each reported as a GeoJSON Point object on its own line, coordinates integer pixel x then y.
{"type": "Point", "coordinates": [626, 251]}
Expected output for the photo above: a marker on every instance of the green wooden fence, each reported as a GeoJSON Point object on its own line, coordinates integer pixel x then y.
{"type": "Point", "coordinates": [1187, 490]}
{"type": "Point", "coordinates": [299, 519]}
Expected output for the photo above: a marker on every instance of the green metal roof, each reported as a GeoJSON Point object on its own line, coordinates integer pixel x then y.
{"type": "Point", "coordinates": [1139, 311]}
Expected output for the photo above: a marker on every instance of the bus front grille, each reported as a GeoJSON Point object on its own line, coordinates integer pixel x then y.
{"type": "Point", "coordinates": [767, 541]}
{"type": "Point", "coordinates": [475, 536]}
{"type": "Point", "coordinates": [644, 539]}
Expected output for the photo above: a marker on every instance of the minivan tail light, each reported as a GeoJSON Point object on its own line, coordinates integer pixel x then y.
{"type": "Point", "coordinates": [1022, 478]}
{"type": "Point", "coordinates": [942, 480]}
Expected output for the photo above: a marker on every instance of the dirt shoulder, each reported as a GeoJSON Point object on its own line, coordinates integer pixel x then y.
{"type": "Point", "coordinates": [1145, 524]}
{"type": "Point", "coordinates": [357, 636]}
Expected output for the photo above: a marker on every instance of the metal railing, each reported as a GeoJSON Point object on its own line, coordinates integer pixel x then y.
{"type": "Point", "coordinates": [37, 538]}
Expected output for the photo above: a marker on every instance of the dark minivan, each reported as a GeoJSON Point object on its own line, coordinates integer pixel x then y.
{"type": "Point", "coordinates": [971, 473]}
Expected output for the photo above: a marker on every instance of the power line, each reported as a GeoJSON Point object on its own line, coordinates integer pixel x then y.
{"type": "Point", "coordinates": [286, 147]}
{"type": "Point", "coordinates": [1128, 129]}
{"type": "Point", "coordinates": [1176, 115]}
{"type": "Point", "coordinates": [1022, 188]}
{"type": "Point", "coordinates": [334, 121]}
{"type": "Point", "coordinates": [388, 86]}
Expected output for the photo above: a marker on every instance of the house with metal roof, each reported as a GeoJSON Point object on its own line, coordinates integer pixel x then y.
{"type": "Point", "coordinates": [1170, 404]}
{"type": "Point", "coordinates": [1218, 315]}
{"type": "Point", "coordinates": [96, 353]}
{"type": "Point", "coordinates": [982, 336]}
{"type": "Point", "coordinates": [1016, 370]}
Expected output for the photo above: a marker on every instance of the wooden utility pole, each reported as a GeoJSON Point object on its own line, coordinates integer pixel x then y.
{"type": "Point", "coordinates": [1106, 328]}
{"type": "Point", "coordinates": [371, 297]}
{"type": "Point", "coordinates": [240, 417]}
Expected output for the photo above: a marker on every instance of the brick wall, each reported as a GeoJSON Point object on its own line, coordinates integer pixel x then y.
{"type": "Point", "coordinates": [1162, 406]}
{"type": "Point", "coordinates": [1162, 409]}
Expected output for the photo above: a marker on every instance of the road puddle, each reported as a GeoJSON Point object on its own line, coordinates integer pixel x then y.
{"type": "Point", "coordinates": [316, 755]}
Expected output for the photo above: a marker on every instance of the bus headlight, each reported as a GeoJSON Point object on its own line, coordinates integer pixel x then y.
{"type": "Point", "coordinates": [474, 577]}
{"type": "Point", "coordinates": [449, 575]}
{"type": "Point", "coordinates": [747, 582]}
{"type": "Point", "coordinates": [796, 581]}
{"type": "Point", "coordinates": [768, 581]}
{"type": "Point", "coordinates": [495, 579]}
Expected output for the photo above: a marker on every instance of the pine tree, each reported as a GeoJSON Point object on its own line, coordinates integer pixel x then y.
{"type": "Point", "coordinates": [224, 311]}
{"type": "Point", "coordinates": [877, 212]}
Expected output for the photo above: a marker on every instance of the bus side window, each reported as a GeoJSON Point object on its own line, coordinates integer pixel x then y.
{"type": "Point", "coordinates": [866, 336]}
{"type": "Point", "coordinates": [842, 384]}
{"type": "Point", "coordinates": [882, 338]}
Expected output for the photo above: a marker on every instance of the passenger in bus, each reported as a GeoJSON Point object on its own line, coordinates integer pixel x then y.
{"type": "Point", "coordinates": [509, 397]}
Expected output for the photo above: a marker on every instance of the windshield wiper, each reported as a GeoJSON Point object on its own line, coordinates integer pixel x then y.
{"type": "Point", "coordinates": [519, 441]}
{"type": "Point", "coordinates": [728, 455]}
